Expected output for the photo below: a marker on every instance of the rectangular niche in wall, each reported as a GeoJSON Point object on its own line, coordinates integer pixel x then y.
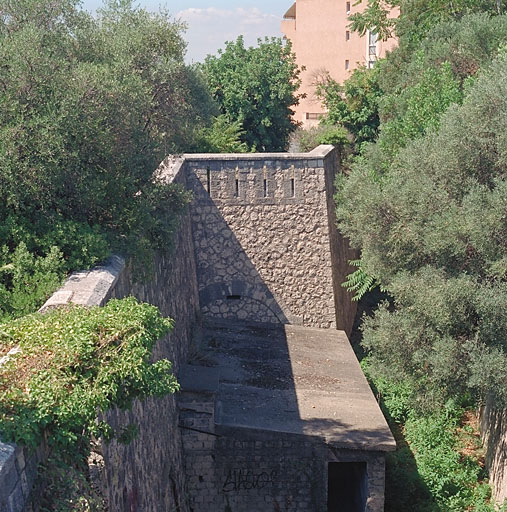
{"type": "Point", "coordinates": [347, 487]}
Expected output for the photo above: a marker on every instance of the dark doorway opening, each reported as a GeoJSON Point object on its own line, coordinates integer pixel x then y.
{"type": "Point", "coordinates": [347, 484]}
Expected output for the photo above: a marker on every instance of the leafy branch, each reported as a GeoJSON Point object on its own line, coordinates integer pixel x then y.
{"type": "Point", "coordinates": [74, 362]}
{"type": "Point", "coordinates": [359, 281]}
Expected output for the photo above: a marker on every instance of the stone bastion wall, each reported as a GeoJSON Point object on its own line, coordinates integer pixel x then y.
{"type": "Point", "coordinates": [266, 243]}
{"type": "Point", "coordinates": [258, 244]}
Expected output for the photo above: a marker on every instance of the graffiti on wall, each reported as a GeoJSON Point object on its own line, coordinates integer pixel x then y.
{"type": "Point", "coordinates": [247, 479]}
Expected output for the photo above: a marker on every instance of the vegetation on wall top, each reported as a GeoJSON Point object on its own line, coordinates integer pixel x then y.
{"type": "Point", "coordinates": [74, 362]}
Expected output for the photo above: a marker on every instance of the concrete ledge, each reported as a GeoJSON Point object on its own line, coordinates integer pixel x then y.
{"type": "Point", "coordinates": [88, 288]}
{"type": "Point", "coordinates": [294, 380]}
{"type": "Point", "coordinates": [199, 379]}
{"type": "Point", "coordinates": [319, 152]}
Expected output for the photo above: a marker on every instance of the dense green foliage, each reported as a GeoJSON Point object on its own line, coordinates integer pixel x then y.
{"type": "Point", "coordinates": [88, 109]}
{"type": "Point", "coordinates": [306, 139]}
{"type": "Point", "coordinates": [438, 465]}
{"type": "Point", "coordinates": [426, 203]}
{"type": "Point", "coordinates": [433, 232]}
{"type": "Point", "coordinates": [223, 136]}
{"type": "Point", "coordinates": [256, 87]}
{"type": "Point", "coordinates": [74, 362]}
{"type": "Point", "coordinates": [417, 17]}
{"type": "Point", "coordinates": [406, 94]}
{"type": "Point", "coordinates": [353, 105]}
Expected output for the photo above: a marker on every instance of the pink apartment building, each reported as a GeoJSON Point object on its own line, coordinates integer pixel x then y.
{"type": "Point", "coordinates": [323, 42]}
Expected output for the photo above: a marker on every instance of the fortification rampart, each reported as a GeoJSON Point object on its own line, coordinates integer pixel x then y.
{"type": "Point", "coordinates": [148, 473]}
{"type": "Point", "coordinates": [267, 248]}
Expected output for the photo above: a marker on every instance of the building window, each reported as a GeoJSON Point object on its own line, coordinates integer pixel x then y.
{"type": "Point", "coordinates": [348, 8]}
{"type": "Point", "coordinates": [312, 115]}
{"type": "Point", "coordinates": [347, 64]}
{"type": "Point", "coordinates": [347, 35]}
{"type": "Point", "coordinates": [372, 43]}
{"type": "Point", "coordinates": [371, 63]}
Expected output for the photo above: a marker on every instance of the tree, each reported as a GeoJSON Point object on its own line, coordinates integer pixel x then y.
{"type": "Point", "coordinates": [256, 87]}
{"type": "Point", "coordinates": [416, 17]}
{"type": "Point", "coordinates": [433, 230]}
{"type": "Point", "coordinates": [353, 105]}
{"type": "Point", "coordinates": [88, 109]}
{"type": "Point", "coordinates": [221, 137]}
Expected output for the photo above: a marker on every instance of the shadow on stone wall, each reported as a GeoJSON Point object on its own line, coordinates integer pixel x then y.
{"type": "Point", "coordinates": [230, 287]}
{"type": "Point", "coordinates": [282, 402]}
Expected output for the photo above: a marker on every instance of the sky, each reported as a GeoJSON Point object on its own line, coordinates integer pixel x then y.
{"type": "Point", "coordinates": [212, 22]}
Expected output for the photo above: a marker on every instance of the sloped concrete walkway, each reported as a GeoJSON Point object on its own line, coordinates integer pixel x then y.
{"type": "Point", "coordinates": [294, 380]}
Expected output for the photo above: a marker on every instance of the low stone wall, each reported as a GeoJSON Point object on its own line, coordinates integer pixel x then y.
{"type": "Point", "coordinates": [494, 433]}
{"type": "Point", "coordinates": [147, 473]}
{"type": "Point", "coordinates": [18, 472]}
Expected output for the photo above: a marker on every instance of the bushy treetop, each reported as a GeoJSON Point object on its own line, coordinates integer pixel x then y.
{"type": "Point", "coordinates": [256, 87]}
{"type": "Point", "coordinates": [89, 106]}
{"type": "Point", "coordinates": [433, 230]}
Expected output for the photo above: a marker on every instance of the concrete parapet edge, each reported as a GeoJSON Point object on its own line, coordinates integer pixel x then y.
{"type": "Point", "coordinates": [88, 288]}
{"type": "Point", "coordinates": [319, 152]}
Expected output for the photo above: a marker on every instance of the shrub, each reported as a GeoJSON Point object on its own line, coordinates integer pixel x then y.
{"type": "Point", "coordinates": [74, 362]}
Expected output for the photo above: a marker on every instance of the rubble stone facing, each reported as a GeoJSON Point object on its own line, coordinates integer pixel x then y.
{"type": "Point", "coordinates": [246, 470]}
{"type": "Point", "coordinates": [147, 474]}
{"type": "Point", "coordinates": [18, 470]}
{"type": "Point", "coordinates": [266, 243]}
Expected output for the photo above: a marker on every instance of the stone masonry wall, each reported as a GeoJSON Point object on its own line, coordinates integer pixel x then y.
{"type": "Point", "coordinates": [341, 253]}
{"type": "Point", "coordinates": [263, 233]}
{"type": "Point", "coordinates": [147, 475]}
{"type": "Point", "coordinates": [18, 471]}
{"type": "Point", "coordinates": [247, 472]}
{"type": "Point", "coordinates": [242, 470]}
{"type": "Point", "coordinates": [494, 433]}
